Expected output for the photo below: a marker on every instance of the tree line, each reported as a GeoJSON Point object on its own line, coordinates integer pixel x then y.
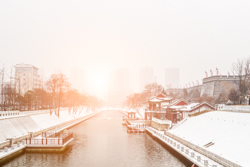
{"type": "Point", "coordinates": [56, 93]}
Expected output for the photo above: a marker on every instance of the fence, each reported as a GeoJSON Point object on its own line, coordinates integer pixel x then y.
{"type": "Point", "coordinates": [223, 107]}
{"type": "Point", "coordinates": [61, 140]}
{"type": "Point", "coordinates": [9, 113]}
{"type": "Point", "coordinates": [202, 151]}
{"type": "Point", "coordinates": [137, 126]}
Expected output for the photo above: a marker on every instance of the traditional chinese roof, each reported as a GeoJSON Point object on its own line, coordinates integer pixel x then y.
{"type": "Point", "coordinates": [161, 95]}
{"type": "Point", "coordinates": [179, 102]}
{"type": "Point", "coordinates": [155, 100]}
{"type": "Point", "coordinates": [167, 98]}
{"type": "Point", "coordinates": [131, 110]}
{"type": "Point", "coordinates": [193, 106]}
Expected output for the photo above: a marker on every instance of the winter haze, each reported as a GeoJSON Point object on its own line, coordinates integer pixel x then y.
{"type": "Point", "coordinates": [102, 36]}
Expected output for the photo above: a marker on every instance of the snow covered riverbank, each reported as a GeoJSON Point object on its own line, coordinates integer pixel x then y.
{"type": "Point", "coordinates": [224, 133]}
{"type": "Point", "coordinates": [21, 126]}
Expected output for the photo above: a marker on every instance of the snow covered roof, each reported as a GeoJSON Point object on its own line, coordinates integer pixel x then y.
{"type": "Point", "coordinates": [155, 100]}
{"type": "Point", "coordinates": [189, 106]}
{"type": "Point", "coordinates": [174, 102]}
{"type": "Point", "coordinates": [131, 110]}
{"type": "Point", "coordinates": [22, 65]}
{"type": "Point", "coordinates": [194, 106]}
{"type": "Point", "coordinates": [161, 96]}
{"type": "Point", "coordinates": [167, 98]}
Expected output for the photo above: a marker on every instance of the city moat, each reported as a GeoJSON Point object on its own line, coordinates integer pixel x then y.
{"type": "Point", "coordinates": [103, 141]}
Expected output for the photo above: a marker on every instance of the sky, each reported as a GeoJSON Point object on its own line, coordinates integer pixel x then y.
{"type": "Point", "coordinates": [101, 36]}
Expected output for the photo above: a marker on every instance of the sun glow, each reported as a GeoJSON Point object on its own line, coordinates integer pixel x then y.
{"type": "Point", "coordinates": [98, 84]}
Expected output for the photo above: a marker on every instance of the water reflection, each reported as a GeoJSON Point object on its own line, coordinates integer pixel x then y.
{"type": "Point", "coordinates": [102, 141]}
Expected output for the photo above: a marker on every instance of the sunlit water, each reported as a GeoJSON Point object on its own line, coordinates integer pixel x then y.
{"type": "Point", "coordinates": [102, 141]}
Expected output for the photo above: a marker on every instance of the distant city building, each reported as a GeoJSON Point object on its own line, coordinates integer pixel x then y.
{"type": "Point", "coordinates": [27, 78]}
{"type": "Point", "coordinates": [78, 79]}
{"type": "Point", "coordinates": [146, 77]}
{"type": "Point", "coordinates": [118, 88]}
{"type": "Point", "coordinates": [172, 77]}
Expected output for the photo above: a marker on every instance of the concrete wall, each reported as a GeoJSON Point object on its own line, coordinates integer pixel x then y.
{"type": "Point", "coordinates": [212, 86]}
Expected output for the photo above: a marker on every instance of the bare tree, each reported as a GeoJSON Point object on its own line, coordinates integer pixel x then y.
{"type": "Point", "coordinates": [29, 98]}
{"type": "Point", "coordinates": [234, 95]}
{"type": "Point", "coordinates": [152, 89]}
{"type": "Point", "coordinates": [42, 99]}
{"type": "Point", "coordinates": [241, 68]}
{"type": "Point", "coordinates": [57, 85]}
{"type": "Point", "coordinates": [226, 88]}
{"type": "Point", "coordinates": [137, 100]}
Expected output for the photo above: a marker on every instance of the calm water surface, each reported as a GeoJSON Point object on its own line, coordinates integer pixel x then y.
{"type": "Point", "coordinates": [102, 141]}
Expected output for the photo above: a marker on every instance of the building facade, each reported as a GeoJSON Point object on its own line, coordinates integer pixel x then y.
{"type": "Point", "coordinates": [27, 78]}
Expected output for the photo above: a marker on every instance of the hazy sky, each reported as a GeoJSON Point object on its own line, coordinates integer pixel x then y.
{"type": "Point", "coordinates": [100, 36]}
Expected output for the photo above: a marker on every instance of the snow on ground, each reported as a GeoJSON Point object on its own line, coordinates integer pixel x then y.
{"type": "Point", "coordinates": [229, 131]}
{"type": "Point", "coordinates": [18, 126]}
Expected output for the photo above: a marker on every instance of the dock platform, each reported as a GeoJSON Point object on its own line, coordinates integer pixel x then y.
{"type": "Point", "coordinates": [53, 143]}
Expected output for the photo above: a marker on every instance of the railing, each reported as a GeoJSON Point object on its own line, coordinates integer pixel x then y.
{"type": "Point", "coordinates": [161, 121]}
{"type": "Point", "coordinates": [9, 113]}
{"type": "Point", "coordinates": [224, 107]}
{"type": "Point", "coordinates": [203, 151]}
{"type": "Point", "coordinates": [67, 138]}
{"type": "Point", "coordinates": [61, 140]}
{"type": "Point", "coordinates": [182, 148]}
{"type": "Point", "coordinates": [137, 126]}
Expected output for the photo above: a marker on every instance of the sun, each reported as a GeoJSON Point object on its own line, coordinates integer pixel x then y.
{"type": "Point", "coordinates": [99, 82]}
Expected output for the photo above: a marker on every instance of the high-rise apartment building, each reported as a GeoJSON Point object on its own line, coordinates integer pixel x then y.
{"type": "Point", "coordinates": [146, 77]}
{"type": "Point", "coordinates": [118, 87]}
{"type": "Point", "coordinates": [172, 76]}
{"type": "Point", "coordinates": [27, 78]}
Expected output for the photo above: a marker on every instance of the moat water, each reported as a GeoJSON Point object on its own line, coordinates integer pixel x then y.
{"type": "Point", "coordinates": [103, 141]}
